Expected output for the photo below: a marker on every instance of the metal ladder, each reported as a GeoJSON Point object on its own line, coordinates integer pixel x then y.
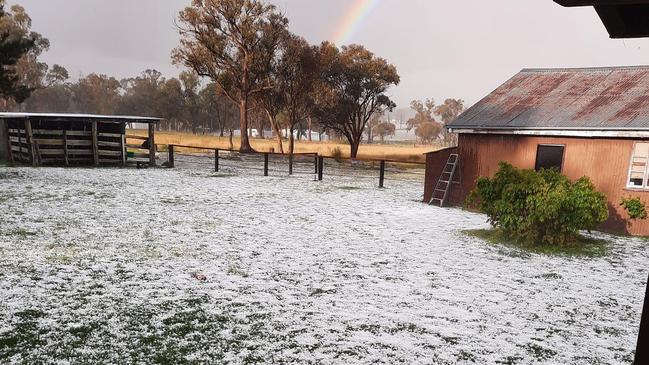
{"type": "Point", "coordinates": [444, 183]}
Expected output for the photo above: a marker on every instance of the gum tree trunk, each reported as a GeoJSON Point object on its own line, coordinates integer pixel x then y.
{"type": "Point", "coordinates": [243, 126]}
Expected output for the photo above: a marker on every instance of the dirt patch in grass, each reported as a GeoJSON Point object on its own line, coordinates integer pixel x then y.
{"type": "Point", "coordinates": [349, 188]}
{"type": "Point", "coordinates": [583, 247]}
{"type": "Point", "coordinates": [221, 175]}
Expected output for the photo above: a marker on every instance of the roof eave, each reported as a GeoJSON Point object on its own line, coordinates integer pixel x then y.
{"type": "Point", "coordinates": [556, 132]}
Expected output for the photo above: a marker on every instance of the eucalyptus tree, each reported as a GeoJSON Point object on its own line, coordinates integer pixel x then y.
{"type": "Point", "coordinates": [231, 42]}
{"type": "Point", "coordinates": [21, 71]}
{"type": "Point", "coordinates": [97, 94]}
{"type": "Point", "coordinates": [353, 88]}
{"type": "Point", "coordinates": [297, 72]}
{"type": "Point", "coordinates": [448, 111]}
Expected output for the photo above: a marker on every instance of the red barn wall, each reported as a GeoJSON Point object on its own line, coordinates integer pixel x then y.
{"type": "Point", "coordinates": [435, 162]}
{"type": "Point", "coordinates": [604, 160]}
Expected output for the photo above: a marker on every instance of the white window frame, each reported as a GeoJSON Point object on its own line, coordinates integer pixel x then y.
{"type": "Point", "coordinates": [645, 180]}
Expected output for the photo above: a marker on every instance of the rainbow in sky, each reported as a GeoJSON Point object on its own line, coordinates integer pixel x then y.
{"type": "Point", "coordinates": [352, 21]}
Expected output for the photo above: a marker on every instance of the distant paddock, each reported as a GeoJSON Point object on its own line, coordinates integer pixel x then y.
{"type": "Point", "coordinates": [398, 152]}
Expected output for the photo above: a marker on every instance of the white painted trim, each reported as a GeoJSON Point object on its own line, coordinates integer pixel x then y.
{"type": "Point", "coordinates": [557, 133]}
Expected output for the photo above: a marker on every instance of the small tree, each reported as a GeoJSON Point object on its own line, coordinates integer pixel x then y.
{"type": "Point", "coordinates": [427, 132]}
{"type": "Point", "coordinates": [385, 129]}
{"type": "Point", "coordinates": [448, 111]}
{"type": "Point", "coordinates": [539, 207]}
{"type": "Point", "coordinates": [353, 88]}
{"type": "Point", "coordinates": [298, 71]}
{"type": "Point", "coordinates": [423, 113]}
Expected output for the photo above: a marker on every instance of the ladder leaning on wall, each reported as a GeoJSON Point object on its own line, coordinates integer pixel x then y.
{"type": "Point", "coordinates": [440, 194]}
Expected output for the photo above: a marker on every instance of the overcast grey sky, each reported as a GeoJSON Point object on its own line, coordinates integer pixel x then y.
{"type": "Point", "coordinates": [442, 48]}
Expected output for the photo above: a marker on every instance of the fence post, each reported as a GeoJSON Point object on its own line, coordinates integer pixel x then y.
{"type": "Point", "coordinates": [290, 164]}
{"type": "Point", "coordinates": [216, 160]}
{"type": "Point", "coordinates": [316, 163]}
{"type": "Point", "coordinates": [642, 350]}
{"type": "Point", "coordinates": [320, 167]}
{"type": "Point", "coordinates": [170, 158]}
{"type": "Point", "coordinates": [152, 146]}
{"type": "Point", "coordinates": [265, 163]}
{"type": "Point", "coordinates": [382, 174]}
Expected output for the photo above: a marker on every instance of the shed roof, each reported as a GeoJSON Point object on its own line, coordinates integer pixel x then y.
{"type": "Point", "coordinates": [622, 18]}
{"type": "Point", "coordinates": [590, 99]}
{"type": "Point", "coordinates": [79, 117]}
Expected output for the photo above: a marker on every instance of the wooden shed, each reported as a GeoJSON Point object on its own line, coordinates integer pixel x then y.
{"type": "Point", "coordinates": [586, 122]}
{"type": "Point", "coordinates": [41, 139]}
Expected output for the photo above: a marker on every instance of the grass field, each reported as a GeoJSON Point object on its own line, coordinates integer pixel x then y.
{"type": "Point", "coordinates": [397, 152]}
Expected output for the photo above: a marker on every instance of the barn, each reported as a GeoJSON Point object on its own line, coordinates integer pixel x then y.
{"type": "Point", "coordinates": [586, 122]}
{"type": "Point", "coordinates": [39, 139]}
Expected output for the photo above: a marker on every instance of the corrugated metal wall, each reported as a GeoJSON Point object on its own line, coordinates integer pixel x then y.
{"type": "Point", "coordinates": [605, 161]}
{"type": "Point", "coordinates": [435, 162]}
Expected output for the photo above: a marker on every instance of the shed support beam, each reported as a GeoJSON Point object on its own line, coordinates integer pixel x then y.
{"type": "Point", "coordinates": [20, 145]}
{"type": "Point", "coordinates": [95, 147]}
{"type": "Point", "coordinates": [30, 142]}
{"type": "Point", "coordinates": [65, 148]}
{"type": "Point", "coordinates": [10, 151]}
{"type": "Point", "coordinates": [124, 151]}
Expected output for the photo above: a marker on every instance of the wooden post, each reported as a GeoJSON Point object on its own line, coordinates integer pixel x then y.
{"type": "Point", "coordinates": [152, 148]}
{"type": "Point", "coordinates": [124, 151]}
{"type": "Point", "coordinates": [382, 175]}
{"type": "Point", "coordinates": [9, 145]}
{"type": "Point", "coordinates": [30, 142]}
{"type": "Point", "coordinates": [20, 144]}
{"type": "Point", "coordinates": [95, 147]}
{"type": "Point", "coordinates": [170, 159]}
{"type": "Point", "coordinates": [266, 164]}
{"type": "Point", "coordinates": [216, 160]}
{"type": "Point", "coordinates": [316, 164]}
{"type": "Point", "coordinates": [38, 153]}
{"type": "Point", "coordinates": [66, 159]}
{"type": "Point", "coordinates": [320, 167]}
{"type": "Point", "coordinates": [290, 164]}
{"type": "Point", "coordinates": [642, 350]}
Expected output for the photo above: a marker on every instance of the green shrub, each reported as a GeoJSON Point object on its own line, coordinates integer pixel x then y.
{"type": "Point", "coordinates": [634, 207]}
{"type": "Point", "coordinates": [542, 207]}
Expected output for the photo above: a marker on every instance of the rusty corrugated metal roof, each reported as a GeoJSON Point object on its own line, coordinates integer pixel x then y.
{"type": "Point", "coordinates": [607, 98]}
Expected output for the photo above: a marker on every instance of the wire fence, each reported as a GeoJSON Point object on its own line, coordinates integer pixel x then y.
{"type": "Point", "coordinates": [305, 165]}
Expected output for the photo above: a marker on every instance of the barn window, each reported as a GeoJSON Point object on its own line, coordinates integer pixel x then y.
{"type": "Point", "coordinates": [549, 157]}
{"type": "Point", "coordinates": [638, 165]}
